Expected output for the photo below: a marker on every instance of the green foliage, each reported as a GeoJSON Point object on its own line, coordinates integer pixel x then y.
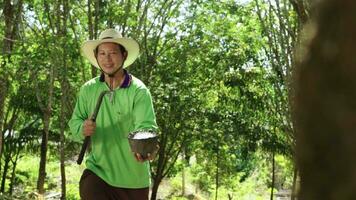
{"type": "Point", "coordinates": [202, 178]}
{"type": "Point", "coordinates": [73, 174]}
{"type": "Point", "coordinates": [284, 168]}
{"type": "Point", "coordinates": [254, 186]}
{"type": "Point", "coordinates": [210, 66]}
{"type": "Point", "coordinates": [27, 171]}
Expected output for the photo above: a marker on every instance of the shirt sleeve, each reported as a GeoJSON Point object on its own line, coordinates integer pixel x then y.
{"type": "Point", "coordinates": [144, 116]}
{"type": "Point", "coordinates": [79, 115]}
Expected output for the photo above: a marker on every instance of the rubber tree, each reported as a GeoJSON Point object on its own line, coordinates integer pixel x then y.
{"type": "Point", "coordinates": [325, 109]}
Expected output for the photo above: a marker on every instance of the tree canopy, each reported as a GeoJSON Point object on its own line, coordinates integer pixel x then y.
{"type": "Point", "coordinates": [218, 73]}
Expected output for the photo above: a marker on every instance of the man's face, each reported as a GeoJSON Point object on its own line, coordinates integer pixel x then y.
{"type": "Point", "coordinates": [110, 57]}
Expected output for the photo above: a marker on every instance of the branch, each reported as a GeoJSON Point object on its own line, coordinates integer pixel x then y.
{"type": "Point", "coordinates": [300, 9]}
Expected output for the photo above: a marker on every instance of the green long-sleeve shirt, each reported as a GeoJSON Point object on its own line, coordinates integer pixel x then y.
{"type": "Point", "coordinates": [129, 109]}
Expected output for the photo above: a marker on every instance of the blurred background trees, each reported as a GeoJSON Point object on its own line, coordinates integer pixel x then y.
{"type": "Point", "coordinates": [218, 73]}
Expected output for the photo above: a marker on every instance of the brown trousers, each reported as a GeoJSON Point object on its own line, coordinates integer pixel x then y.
{"type": "Point", "coordinates": [92, 187]}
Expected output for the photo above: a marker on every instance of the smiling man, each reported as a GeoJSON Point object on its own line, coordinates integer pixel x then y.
{"type": "Point", "coordinates": [112, 170]}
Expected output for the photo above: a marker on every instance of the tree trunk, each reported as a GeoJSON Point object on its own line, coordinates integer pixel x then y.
{"type": "Point", "coordinates": [273, 175]}
{"type": "Point", "coordinates": [279, 52]}
{"type": "Point", "coordinates": [43, 158]}
{"type": "Point", "coordinates": [10, 26]}
{"type": "Point", "coordinates": [64, 97]}
{"type": "Point", "coordinates": [47, 112]}
{"type": "Point", "coordinates": [183, 181]}
{"type": "Point", "coordinates": [62, 148]}
{"type": "Point", "coordinates": [3, 94]}
{"type": "Point", "coordinates": [93, 27]}
{"type": "Point", "coordinates": [301, 9]}
{"type": "Point", "coordinates": [4, 173]}
{"type": "Point", "coordinates": [13, 175]}
{"type": "Point", "coordinates": [165, 163]}
{"type": "Point", "coordinates": [159, 173]}
{"type": "Point", "coordinates": [154, 191]}
{"type": "Point", "coordinates": [10, 146]}
{"type": "Point", "coordinates": [96, 18]}
{"type": "Point", "coordinates": [294, 186]}
{"type": "Point", "coordinates": [12, 12]}
{"type": "Point", "coordinates": [9, 33]}
{"type": "Point", "coordinates": [229, 196]}
{"type": "Point", "coordinates": [217, 171]}
{"type": "Point", "coordinates": [183, 175]}
{"type": "Point", "coordinates": [325, 108]}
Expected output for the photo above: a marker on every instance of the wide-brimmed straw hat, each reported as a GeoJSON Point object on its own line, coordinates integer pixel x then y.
{"type": "Point", "coordinates": [111, 35]}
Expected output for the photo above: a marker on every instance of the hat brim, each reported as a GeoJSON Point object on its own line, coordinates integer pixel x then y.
{"type": "Point", "coordinates": [130, 45]}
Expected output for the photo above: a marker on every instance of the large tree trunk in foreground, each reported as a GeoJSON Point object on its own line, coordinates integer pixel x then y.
{"type": "Point", "coordinates": [326, 105]}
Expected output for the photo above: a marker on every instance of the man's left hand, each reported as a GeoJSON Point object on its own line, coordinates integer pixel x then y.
{"type": "Point", "coordinates": [150, 156]}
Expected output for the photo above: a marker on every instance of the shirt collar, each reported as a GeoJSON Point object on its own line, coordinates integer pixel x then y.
{"type": "Point", "coordinates": [127, 79]}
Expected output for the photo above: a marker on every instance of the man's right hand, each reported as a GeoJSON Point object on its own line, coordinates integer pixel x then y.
{"type": "Point", "coordinates": [88, 127]}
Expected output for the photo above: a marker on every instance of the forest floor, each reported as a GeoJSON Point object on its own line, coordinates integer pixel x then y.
{"type": "Point", "coordinates": [169, 189]}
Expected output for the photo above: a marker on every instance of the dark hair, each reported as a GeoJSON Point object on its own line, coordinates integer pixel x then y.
{"type": "Point", "coordinates": [122, 49]}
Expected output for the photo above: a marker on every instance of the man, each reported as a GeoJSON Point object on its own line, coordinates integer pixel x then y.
{"type": "Point", "coordinates": [113, 171]}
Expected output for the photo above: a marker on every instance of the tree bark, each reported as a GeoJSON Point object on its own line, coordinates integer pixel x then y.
{"type": "Point", "coordinates": [294, 185]}
{"type": "Point", "coordinates": [3, 95]}
{"type": "Point", "coordinates": [155, 186]}
{"type": "Point", "coordinates": [301, 9]}
{"type": "Point", "coordinates": [11, 11]}
{"type": "Point", "coordinates": [183, 175]}
{"type": "Point", "coordinates": [64, 97]}
{"type": "Point", "coordinates": [10, 145]}
{"type": "Point", "coordinates": [47, 112]}
{"type": "Point", "coordinates": [62, 143]}
{"type": "Point", "coordinates": [13, 175]}
{"type": "Point", "coordinates": [167, 156]}
{"type": "Point", "coordinates": [273, 175]}
{"type": "Point", "coordinates": [93, 26]}
{"type": "Point", "coordinates": [46, 104]}
{"type": "Point", "coordinates": [280, 40]}
{"type": "Point", "coordinates": [6, 168]}
{"type": "Point", "coordinates": [157, 178]}
{"type": "Point", "coordinates": [43, 156]}
{"type": "Point", "coordinates": [8, 11]}
{"type": "Point", "coordinates": [325, 108]}
{"type": "Point", "coordinates": [217, 171]}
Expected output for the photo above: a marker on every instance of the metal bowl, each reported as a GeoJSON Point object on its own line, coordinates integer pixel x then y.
{"type": "Point", "coordinates": [143, 142]}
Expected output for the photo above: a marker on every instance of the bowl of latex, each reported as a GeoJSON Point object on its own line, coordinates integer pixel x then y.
{"type": "Point", "coordinates": [143, 142]}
